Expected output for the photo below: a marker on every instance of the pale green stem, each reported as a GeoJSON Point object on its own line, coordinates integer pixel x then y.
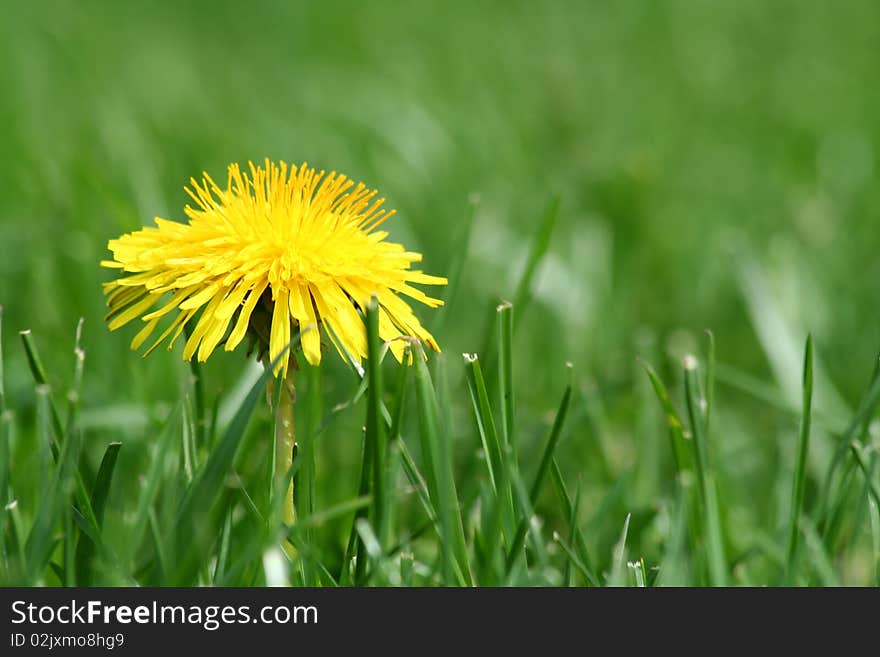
{"type": "Point", "coordinates": [285, 442]}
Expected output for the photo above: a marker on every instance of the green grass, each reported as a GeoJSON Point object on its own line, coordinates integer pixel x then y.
{"type": "Point", "coordinates": [601, 183]}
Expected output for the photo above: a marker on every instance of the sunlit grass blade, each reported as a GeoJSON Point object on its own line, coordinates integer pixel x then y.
{"type": "Point", "coordinates": [505, 377]}
{"type": "Point", "coordinates": [638, 571]}
{"type": "Point", "coordinates": [492, 447]}
{"type": "Point", "coordinates": [800, 470]}
{"type": "Point", "coordinates": [710, 381]}
{"type": "Point", "coordinates": [680, 450]}
{"type": "Point", "coordinates": [714, 539]}
{"type": "Point", "coordinates": [73, 394]}
{"type": "Point", "coordinates": [617, 576]}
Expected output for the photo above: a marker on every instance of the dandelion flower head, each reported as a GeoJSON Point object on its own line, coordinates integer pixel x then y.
{"type": "Point", "coordinates": [281, 249]}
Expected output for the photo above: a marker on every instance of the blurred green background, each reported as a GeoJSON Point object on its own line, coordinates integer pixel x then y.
{"type": "Point", "coordinates": [715, 164]}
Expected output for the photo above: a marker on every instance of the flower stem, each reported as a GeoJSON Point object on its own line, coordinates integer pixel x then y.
{"type": "Point", "coordinates": [285, 444]}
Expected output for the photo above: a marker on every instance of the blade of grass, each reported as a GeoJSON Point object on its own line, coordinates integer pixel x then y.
{"type": "Point", "coordinates": [874, 511]}
{"type": "Point", "coordinates": [572, 531]}
{"type": "Point", "coordinates": [395, 443]}
{"type": "Point", "coordinates": [162, 451]}
{"type": "Point", "coordinates": [5, 421]}
{"type": "Point", "coordinates": [2, 374]}
{"type": "Point", "coordinates": [529, 521]}
{"type": "Point", "coordinates": [638, 568]}
{"type": "Point", "coordinates": [304, 482]}
{"type": "Point", "coordinates": [15, 538]}
{"type": "Point", "coordinates": [705, 477]}
{"type": "Point", "coordinates": [437, 452]}
{"type": "Point", "coordinates": [710, 380]}
{"type": "Point", "coordinates": [79, 356]}
{"type": "Point", "coordinates": [200, 421]}
{"type": "Point", "coordinates": [680, 450]}
{"type": "Point", "coordinates": [873, 488]}
{"type": "Point", "coordinates": [573, 558]}
{"type": "Point", "coordinates": [375, 427]}
{"type": "Point", "coordinates": [617, 577]}
{"type": "Point", "coordinates": [552, 441]}
{"type": "Point", "coordinates": [417, 480]}
{"type": "Point", "coordinates": [578, 543]}
{"type": "Point", "coordinates": [72, 537]}
{"type": "Point", "coordinates": [40, 542]}
{"type": "Point", "coordinates": [821, 560]}
{"type": "Point", "coordinates": [325, 516]}
{"type": "Point", "coordinates": [487, 539]}
{"type": "Point", "coordinates": [355, 545]}
{"type": "Point", "coordinates": [674, 565]}
{"type": "Point", "coordinates": [85, 548]}
{"type": "Point", "coordinates": [505, 377]}
{"type": "Point", "coordinates": [223, 554]}
{"type": "Point", "coordinates": [845, 493]}
{"type": "Point", "coordinates": [375, 444]}
{"type": "Point", "coordinates": [800, 470]}
{"type": "Point", "coordinates": [541, 474]}
{"type": "Point", "coordinates": [832, 487]}
{"type": "Point", "coordinates": [498, 475]}
{"type": "Point", "coordinates": [56, 434]}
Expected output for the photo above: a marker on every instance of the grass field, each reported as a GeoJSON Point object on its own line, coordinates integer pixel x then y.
{"type": "Point", "coordinates": [626, 175]}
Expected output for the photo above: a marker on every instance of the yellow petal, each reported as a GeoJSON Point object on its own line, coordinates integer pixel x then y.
{"type": "Point", "coordinates": [279, 338]}
{"type": "Point", "coordinates": [244, 316]}
{"type": "Point", "coordinates": [143, 334]}
{"type": "Point", "coordinates": [133, 311]}
{"type": "Point", "coordinates": [304, 313]}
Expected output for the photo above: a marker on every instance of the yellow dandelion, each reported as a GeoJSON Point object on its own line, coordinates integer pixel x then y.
{"type": "Point", "coordinates": [281, 249]}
